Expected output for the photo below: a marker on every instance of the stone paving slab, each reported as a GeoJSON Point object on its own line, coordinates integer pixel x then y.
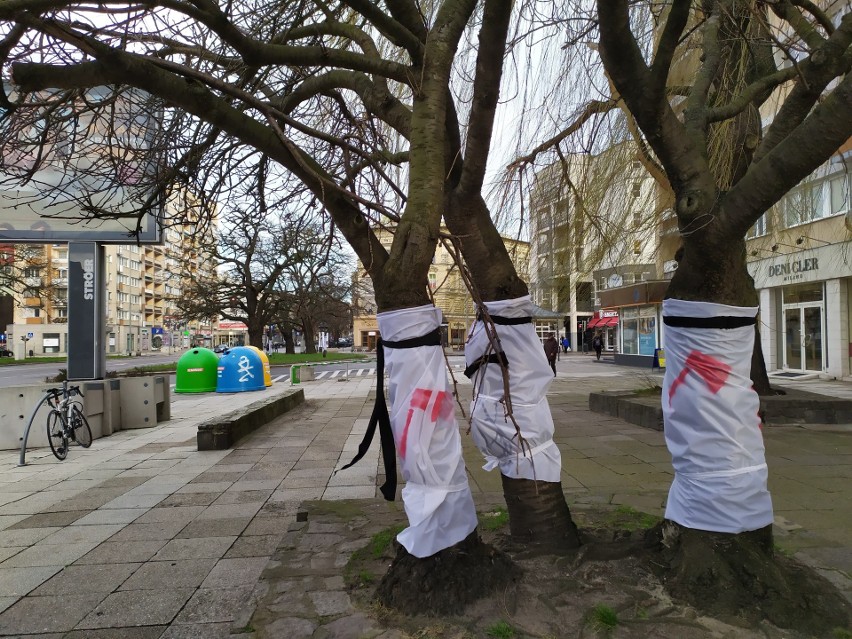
{"type": "Point", "coordinates": [138, 505]}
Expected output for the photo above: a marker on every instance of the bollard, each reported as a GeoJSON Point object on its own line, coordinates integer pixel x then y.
{"type": "Point", "coordinates": [294, 375]}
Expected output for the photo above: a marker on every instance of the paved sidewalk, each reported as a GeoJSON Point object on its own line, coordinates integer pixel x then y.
{"type": "Point", "coordinates": [143, 536]}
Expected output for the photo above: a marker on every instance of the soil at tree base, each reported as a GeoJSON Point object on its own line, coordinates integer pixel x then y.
{"type": "Point", "coordinates": [623, 582]}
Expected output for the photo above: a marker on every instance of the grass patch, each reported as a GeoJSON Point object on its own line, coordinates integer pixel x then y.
{"type": "Point", "coordinates": [628, 518]}
{"type": "Point", "coordinates": [841, 633]}
{"type": "Point", "coordinates": [494, 520]}
{"type": "Point", "coordinates": [313, 358]}
{"type": "Point", "coordinates": [383, 539]}
{"type": "Point", "coordinates": [11, 361]}
{"type": "Point", "coordinates": [603, 617]}
{"type": "Point", "coordinates": [364, 578]}
{"type": "Point", "coordinates": [501, 630]}
{"type": "Point", "coordinates": [652, 391]}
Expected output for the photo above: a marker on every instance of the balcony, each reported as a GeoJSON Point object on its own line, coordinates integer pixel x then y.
{"type": "Point", "coordinates": [32, 302]}
{"type": "Point", "coordinates": [60, 282]}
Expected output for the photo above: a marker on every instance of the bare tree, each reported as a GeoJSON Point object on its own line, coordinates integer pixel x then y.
{"type": "Point", "coordinates": [257, 249]}
{"type": "Point", "coordinates": [725, 171]}
{"type": "Point", "coordinates": [333, 95]}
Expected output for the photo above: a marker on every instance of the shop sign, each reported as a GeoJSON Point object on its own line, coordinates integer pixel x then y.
{"type": "Point", "coordinates": [793, 270]}
{"type": "Point", "coordinates": [811, 265]}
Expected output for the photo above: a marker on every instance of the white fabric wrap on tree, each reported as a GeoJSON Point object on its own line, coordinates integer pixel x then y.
{"type": "Point", "coordinates": [436, 495]}
{"type": "Point", "coordinates": [712, 427]}
{"type": "Point", "coordinates": [529, 378]}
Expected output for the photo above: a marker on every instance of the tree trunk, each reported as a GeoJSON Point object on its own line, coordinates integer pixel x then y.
{"type": "Point", "coordinates": [255, 335]}
{"type": "Point", "coordinates": [759, 375]}
{"type": "Point", "coordinates": [289, 342]}
{"type": "Point", "coordinates": [539, 515]}
{"type": "Point", "coordinates": [308, 336]}
{"type": "Point", "coordinates": [538, 511]}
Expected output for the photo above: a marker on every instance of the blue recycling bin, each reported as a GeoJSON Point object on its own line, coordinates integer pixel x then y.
{"type": "Point", "coordinates": [240, 369]}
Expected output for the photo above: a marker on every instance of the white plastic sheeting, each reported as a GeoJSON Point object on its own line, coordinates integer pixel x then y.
{"type": "Point", "coordinates": [530, 376]}
{"type": "Point", "coordinates": [712, 426]}
{"type": "Point", "coordinates": [436, 494]}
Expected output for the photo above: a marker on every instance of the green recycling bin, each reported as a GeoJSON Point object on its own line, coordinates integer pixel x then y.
{"type": "Point", "coordinates": [196, 371]}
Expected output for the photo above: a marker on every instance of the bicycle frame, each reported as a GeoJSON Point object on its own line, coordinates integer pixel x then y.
{"type": "Point", "coordinates": [66, 422]}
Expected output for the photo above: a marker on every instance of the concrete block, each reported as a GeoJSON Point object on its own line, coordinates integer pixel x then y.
{"type": "Point", "coordinates": [16, 407]}
{"type": "Point", "coordinates": [93, 406]}
{"type": "Point", "coordinates": [223, 432]}
{"type": "Point", "coordinates": [143, 401]}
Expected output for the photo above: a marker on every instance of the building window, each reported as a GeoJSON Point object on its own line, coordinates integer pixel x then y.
{"type": "Point", "coordinates": [638, 330]}
{"type": "Point", "coordinates": [637, 247]}
{"type": "Point", "coordinates": [433, 280]}
{"type": "Point", "coordinates": [759, 227]}
{"type": "Point", "coordinates": [840, 187]}
{"type": "Point", "coordinates": [637, 189]}
{"type": "Point", "coordinates": [803, 204]}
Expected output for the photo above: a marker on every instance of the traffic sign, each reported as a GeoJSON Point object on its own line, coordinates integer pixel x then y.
{"type": "Point", "coordinates": [29, 335]}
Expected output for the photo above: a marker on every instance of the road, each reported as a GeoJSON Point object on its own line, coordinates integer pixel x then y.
{"type": "Point", "coordinates": [35, 372]}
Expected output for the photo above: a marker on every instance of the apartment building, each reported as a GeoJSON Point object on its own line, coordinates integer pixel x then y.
{"type": "Point", "coordinates": [591, 229]}
{"type": "Point", "coordinates": [447, 289]}
{"type": "Point", "coordinates": [142, 284]}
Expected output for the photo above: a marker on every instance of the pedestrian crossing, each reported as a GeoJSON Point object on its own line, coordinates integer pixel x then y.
{"type": "Point", "coordinates": [352, 372]}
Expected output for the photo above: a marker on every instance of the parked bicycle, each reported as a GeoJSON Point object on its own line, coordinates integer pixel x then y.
{"type": "Point", "coordinates": [65, 421]}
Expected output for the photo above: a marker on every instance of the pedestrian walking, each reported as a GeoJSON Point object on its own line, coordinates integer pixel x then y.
{"type": "Point", "coordinates": [551, 350]}
{"type": "Point", "coordinates": [566, 344]}
{"type": "Point", "coordinates": [597, 344]}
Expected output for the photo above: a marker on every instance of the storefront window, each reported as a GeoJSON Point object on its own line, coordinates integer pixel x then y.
{"type": "Point", "coordinates": [803, 293]}
{"type": "Point", "coordinates": [639, 330]}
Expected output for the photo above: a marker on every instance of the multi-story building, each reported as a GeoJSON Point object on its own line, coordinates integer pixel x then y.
{"type": "Point", "coordinates": [142, 282]}
{"type": "Point", "coordinates": [591, 229]}
{"type": "Point", "coordinates": [447, 289]}
{"type": "Point", "coordinates": [800, 256]}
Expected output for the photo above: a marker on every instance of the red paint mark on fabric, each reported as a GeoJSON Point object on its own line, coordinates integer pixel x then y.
{"type": "Point", "coordinates": [442, 408]}
{"type": "Point", "coordinates": [713, 372]}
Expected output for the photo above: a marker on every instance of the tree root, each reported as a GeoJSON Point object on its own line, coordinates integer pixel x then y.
{"type": "Point", "coordinates": [739, 576]}
{"type": "Point", "coordinates": [449, 580]}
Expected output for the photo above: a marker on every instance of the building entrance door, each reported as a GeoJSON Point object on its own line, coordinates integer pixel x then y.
{"type": "Point", "coordinates": [803, 330]}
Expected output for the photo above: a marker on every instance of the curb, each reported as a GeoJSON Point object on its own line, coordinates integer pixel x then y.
{"type": "Point", "coordinates": [222, 433]}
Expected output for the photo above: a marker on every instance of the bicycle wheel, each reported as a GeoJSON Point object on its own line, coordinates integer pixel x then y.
{"type": "Point", "coordinates": [80, 430]}
{"type": "Point", "coordinates": [56, 434]}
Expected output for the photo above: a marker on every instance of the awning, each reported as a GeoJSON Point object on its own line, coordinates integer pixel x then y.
{"type": "Point", "coordinates": [602, 322]}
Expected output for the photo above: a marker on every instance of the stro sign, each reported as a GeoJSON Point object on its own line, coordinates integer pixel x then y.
{"type": "Point", "coordinates": [88, 279]}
